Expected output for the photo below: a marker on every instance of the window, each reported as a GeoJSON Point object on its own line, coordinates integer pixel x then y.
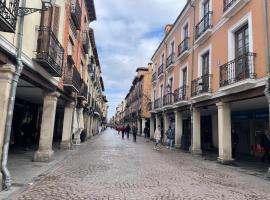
{"type": "Point", "coordinates": [171, 50]}
{"type": "Point", "coordinates": [170, 85]}
{"type": "Point", "coordinates": [154, 95]}
{"type": "Point", "coordinates": [185, 31]}
{"type": "Point", "coordinates": [184, 80]}
{"type": "Point", "coordinates": [161, 91]}
{"type": "Point", "coordinates": [162, 59]}
{"type": "Point", "coordinates": [205, 64]}
{"type": "Point", "coordinates": [206, 7]}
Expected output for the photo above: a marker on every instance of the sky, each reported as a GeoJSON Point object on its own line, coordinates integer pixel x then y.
{"type": "Point", "coordinates": [127, 34]}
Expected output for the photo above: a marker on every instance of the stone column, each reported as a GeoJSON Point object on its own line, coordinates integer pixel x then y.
{"type": "Point", "coordinates": [157, 121]}
{"type": "Point", "coordinates": [88, 126]}
{"type": "Point", "coordinates": [77, 136]}
{"type": "Point", "coordinates": [224, 132]}
{"type": "Point", "coordinates": [166, 121]}
{"type": "Point", "coordinates": [67, 126]}
{"type": "Point", "coordinates": [91, 125]}
{"type": "Point", "coordinates": [45, 152]}
{"type": "Point", "coordinates": [178, 128]}
{"type": "Point", "coordinates": [6, 75]}
{"type": "Point", "coordinates": [143, 125]}
{"type": "Point", "coordinates": [139, 126]}
{"type": "Point", "coordinates": [196, 132]}
{"type": "Point", "coordinates": [152, 127]}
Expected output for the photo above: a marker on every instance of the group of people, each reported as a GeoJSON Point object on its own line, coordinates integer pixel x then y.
{"type": "Point", "coordinates": [170, 134]}
{"type": "Point", "coordinates": [126, 131]}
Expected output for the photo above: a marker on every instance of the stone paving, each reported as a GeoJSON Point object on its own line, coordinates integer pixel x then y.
{"type": "Point", "coordinates": [109, 168]}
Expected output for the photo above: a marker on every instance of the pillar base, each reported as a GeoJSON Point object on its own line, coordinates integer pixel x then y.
{"type": "Point", "coordinates": [43, 156]}
{"type": "Point", "coordinates": [65, 145]}
{"type": "Point", "coordinates": [177, 146]}
{"type": "Point", "coordinates": [1, 181]}
{"type": "Point", "coordinates": [196, 151]}
{"type": "Point", "coordinates": [225, 161]}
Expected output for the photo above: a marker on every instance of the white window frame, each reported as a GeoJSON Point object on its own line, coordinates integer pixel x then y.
{"type": "Point", "coordinates": [185, 66]}
{"type": "Point", "coordinates": [168, 81]}
{"type": "Point", "coordinates": [201, 15]}
{"type": "Point", "coordinates": [170, 49]}
{"type": "Point", "coordinates": [160, 59]}
{"type": "Point", "coordinates": [201, 53]}
{"type": "Point", "coordinates": [182, 30]}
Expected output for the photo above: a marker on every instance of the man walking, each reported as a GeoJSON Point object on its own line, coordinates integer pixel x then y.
{"type": "Point", "coordinates": [127, 131]}
{"type": "Point", "coordinates": [170, 137]}
{"type": "Point", "coordinates": [134, 132]}
{"type": "Point", "coordinates": [157, 137]}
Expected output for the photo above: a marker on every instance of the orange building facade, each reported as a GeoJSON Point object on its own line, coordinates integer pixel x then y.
{"type": "Point", "coordinates": [209, 77]}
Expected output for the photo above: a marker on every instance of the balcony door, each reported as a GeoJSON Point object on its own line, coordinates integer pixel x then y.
{"type": "Point", "coordinates": [205, 72]}
{"type": "Point", "coordinates": [241, 50]}
{"type": "Point", "coordinates": [184, 82]}
{"type": "Point", "coordinates": [206, 9]}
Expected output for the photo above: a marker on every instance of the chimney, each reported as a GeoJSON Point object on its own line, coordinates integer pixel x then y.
{"type": "Point", "coordinates": [150, 67]}
{"type": "Point", "coordinates": [167, 28]}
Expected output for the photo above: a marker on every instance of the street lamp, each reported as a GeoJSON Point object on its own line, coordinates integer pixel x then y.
{"type": "Point", "coordinates": [23, 11]}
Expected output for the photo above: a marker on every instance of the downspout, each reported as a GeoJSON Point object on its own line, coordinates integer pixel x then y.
{"type": "Point", "coordinates": [8, 125]}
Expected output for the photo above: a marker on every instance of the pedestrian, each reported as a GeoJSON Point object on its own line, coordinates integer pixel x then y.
{"type": "Point", "coordinates": [170, 137]}
{"type": "Point", "coordinates": [134, 132]}
{"type": "Point", "coordinates": [127, 130]}
{"type": "Point", "coordinates": [118, 129]}
{"type": "Point", "coordinates": [146, 132]}
{"type": "Point", "coordinates": [235, 141]}
{"type": "Point", "coordinates": [157, 137]}
{"type": "Point", "coordinates": [123, 131]}
{"type": "Point", "coordinates": [265, 143]}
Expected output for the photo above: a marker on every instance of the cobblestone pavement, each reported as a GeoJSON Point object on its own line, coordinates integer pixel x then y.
{"type": "Point", "coordinates": [110, 168]}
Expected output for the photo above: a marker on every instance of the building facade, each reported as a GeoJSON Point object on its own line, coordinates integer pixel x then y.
{"type": "Point", "coordinates": [57, 99]}
{"type": "Point", "coordinates": [210, 74]}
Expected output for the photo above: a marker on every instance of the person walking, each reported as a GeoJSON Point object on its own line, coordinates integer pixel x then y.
{"type": "Point", "coordinates": [170, 137]}
{"type": "Point", "coordinates": [123, 131]}
{"type": "Point", "coordinates": [265, 143]}
{"type": "Point", "coordinates": [134, 132]}
{"type": "Point", "coordinates": [146, 133]}
{"type": "Point", "coordinates": [157, 137]}
{"type": "Point", "coordinates": [127, 130]}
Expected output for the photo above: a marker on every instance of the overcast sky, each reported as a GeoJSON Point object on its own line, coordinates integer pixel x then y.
{"type": "Point", "coordinates": [127, 34]}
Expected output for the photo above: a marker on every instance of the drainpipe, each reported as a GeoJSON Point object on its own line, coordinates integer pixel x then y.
{"type": "Point", "coordinates": [192, 4]}
{"type": "Point", "coordinates": [19, 68]}
{"type": "Point", "coordinates": [267, 55]}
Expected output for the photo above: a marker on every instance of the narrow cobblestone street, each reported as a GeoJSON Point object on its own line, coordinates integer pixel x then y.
{"type": "Point", "coordinates": [108, 167]}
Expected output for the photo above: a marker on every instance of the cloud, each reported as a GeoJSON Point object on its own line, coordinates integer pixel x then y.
{"type": "Point", "coordinates": [127, 34]}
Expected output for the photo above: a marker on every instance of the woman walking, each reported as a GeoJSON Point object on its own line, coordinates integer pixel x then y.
{"type": "Point", "coordinates": [157, 137]}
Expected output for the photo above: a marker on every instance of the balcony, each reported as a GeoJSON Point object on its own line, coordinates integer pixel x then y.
{"type": "Point", "coordinates": [231, 7]}
{"type": "Point", "coordinates": [183, 48]}
{"type": "Point", "coordinates": [83, 91]}
{"type": "Point", "coordinates": [201, 88]}
{"type": "Point", "coordinates": [170, 61]}
{"type": "Point", "coordinates": [168, 100]}
{"type": "Point", "coordinates": [8, 15]}
{"type": "Point", "coordinates": [157, 103]}
{"type": "Point", "coordinates": [50, 52]}
{"type": "Point", "coordinates": [154, 77]}
{"type": "Point", "coordinates": [150, 106]}
{"type": "Point", "coordinates": [238, 74]}
{"type": "Point", "coordinates": [86, 42]}
{"type": "Point", "coordinates": [76, 13]}
{"type": "Point", "coordinates": [204, 28]}
{"type": "Point", "coordinates": [161, 70]}
{"type": "Point", "coordinates": [72, 79]}
{"type": "Point", "coordinates": [180, 96]}
{"type": "Point", "coordinates": [73, 29]}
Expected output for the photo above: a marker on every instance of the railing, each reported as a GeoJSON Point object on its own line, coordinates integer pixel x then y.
{"type": "Point", "coordinates": [204, 24]}
{"type": "Point", "coordinates": [183, 46]}
{"type": "Point", "coordinates": [157, 103]}
{"type": "Point", "coordinates": [201, 85]}
{"type": "Point", "coordinates": [180, 94]}
{"type": "Point", "coordinates": [150, 106]}
{"type": "Point", "coordinates": [168, 99]}
{"type": "Point", "coordinates": [86, 42]}
{"type": "Point", "coordinates": [170, 60]}
{"type": "Point", "coordinates": [154, 77]}
{"type": "Point", "coordinates": [50, 52]}
{"type": "Point", "coordinates": [76, 13]}
{"type": "Point", "coordinates": [83, 91]}
{"type": "Point", "coordinates": [238, 69]}
{"type": "Point", "coordinates": [8, 15]}
{"type": "Point", "coordinates": [227, 4]}
{"type": "Point", "coordinates": [73, 29]}
{"type": "Point", "coordinates": [72, 77]}
{"type": "Point", "coordinates": [160, 69]}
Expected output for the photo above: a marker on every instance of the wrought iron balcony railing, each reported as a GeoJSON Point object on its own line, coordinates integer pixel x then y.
{"type": "Point", "coordinates": [8, 15]}
{"type": "Point", "coordinates": [168, 99]}
{"type": "Point", "coordinates": [183, 46]}
{"type": "Point", "coordinates": [227, 4]}
{"type": "Point", "coordinates": [83, 91]}
{"type": "Point", "coordinates": [76, 13]}
{"type": "Point", "coordinates": [204, 25]}
{"type": "Point", "coordinates": [238, 69]}
{"type": "Point", "coordinates": [154, 77]}
{"type": "Point", "coordinates": [170, 60]}
{"type": "Point", "coordinates": [72, 78]}
{"type": "Point", "coordinates": [50, 52]}
{"type": "Point", "coordinates": [157, 103]}
{"type": "Point", "coordinates": [150, 106]}
{"type": "Point", "coordinates": [201, 85]}
{"type": "Point", "coordinates": [73, 29]}
{"type": "Point", "coordinates": [161, 69]}
{"type": "Point", "coordinates": [86, 42]}
{"type": "Point", "coordinates": [180, 94]}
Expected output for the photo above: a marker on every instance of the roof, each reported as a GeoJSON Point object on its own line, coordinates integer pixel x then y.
{"type": "Point", "coordinates": [91, 10]}
{"type": "Point", "coordinates": [166, 36]}
{"type": "Point", "coordinates": [141, 69]}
